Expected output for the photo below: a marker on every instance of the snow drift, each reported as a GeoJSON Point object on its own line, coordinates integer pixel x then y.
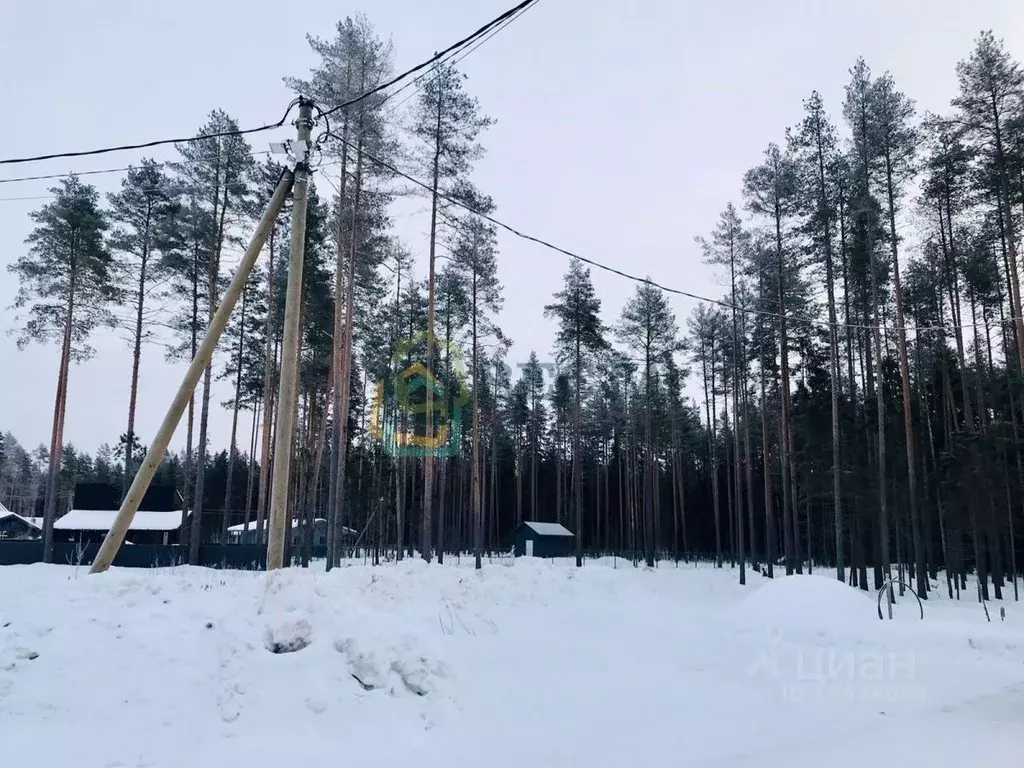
{"type": "Point", "coordinates": [520, 663]}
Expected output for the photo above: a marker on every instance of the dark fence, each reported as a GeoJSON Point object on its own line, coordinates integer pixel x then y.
{"type": "Point", "coordinates": [234, 556]}
{"type": "Point", "coordinates": [245, 556]}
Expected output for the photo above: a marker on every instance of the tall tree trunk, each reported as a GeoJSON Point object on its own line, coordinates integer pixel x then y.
{"type": "Point", "coordinates": [250, 475]}
{"type": "Point", "coordinates": [59, 408]}
{"type": "Point", "coordinates": [337, 365]}
{"type": "Point", "coordinates": [648, 461]}
{"type": "Point", "coordinates": [712, 419]}
{"type": "Point", "coordinates": [129, 453]}
{"type": "Point", "coordinates": [478, 520]}
{"type": "Point", "coordinates": [212, 300]}
{"type": "Point", "coordinates": [495, 510]}
{"type": "Point", "coordinates": [788, 503]}
{"type": "Point", "coordinates": [519, 479]}
{"type": "Point", "coordinates": [833, 334]}
{"type": "Point", "coordinates": [1004, 198]}
{"type": "Point", "coordinates": [270, 359]}
{"type": "Point", "coordinates": [341, 491]}
{"type": "Point", "coordinates": [921, 573]}
{"type": "Point", "coordinates": [195, 534]}
{"type": "Point", "coordinates": [674, 476]}
{"type": "Point", "coordinates": [233, 449]}
{"type": "Point", "coordinates": [428, 459]}
{"type": "Point", "coordinates": [576, 480]}
{"type": "Point", "coordinates": [736, 366]}
{"type": "Point", "coordinates": [882, 570]}
{"type": "Point", "coordinates": [749, 477]}
{"type": "Point", "coordinates": [952, 283]}
{"type": "Point", "coordinates": [771, 535]}
{"type": "Point", "coordinates": [186, 495]}
{"type": "Point", "coordinates": [534, 449]}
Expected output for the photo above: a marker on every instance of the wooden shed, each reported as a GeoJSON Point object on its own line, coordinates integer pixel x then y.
{"type": "Point", "coordinates": [543, 540]}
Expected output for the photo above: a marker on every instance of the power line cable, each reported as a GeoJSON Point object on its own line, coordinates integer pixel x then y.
{"type": "Point", "coordinates": [455, 57]}
{"type": "Point", "coordinates": [169, 189]}
{"type": "Point", "coordinates": [156, 143]}
{"type": "Point", "coordinates": [271, 126]}
{"type": "Point", "coordinates": [99, 171]}
{"type": "Point", "coordinates": [435, 58]}
{"type": "Point", "coordinates": [647, 281]}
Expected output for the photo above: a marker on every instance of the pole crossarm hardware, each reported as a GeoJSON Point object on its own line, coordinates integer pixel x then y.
{"type": "Point", "coordinates": [158, 448]}
{"type": "Point", "coordinates": [288, 385]}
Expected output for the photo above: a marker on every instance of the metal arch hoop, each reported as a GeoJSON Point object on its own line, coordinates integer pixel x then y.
{"type": "Point", "coordinates": [891, 582]}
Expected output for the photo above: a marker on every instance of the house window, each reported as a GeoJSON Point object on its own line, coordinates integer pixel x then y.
{"type": "Point", "coordinates": [3, 534]}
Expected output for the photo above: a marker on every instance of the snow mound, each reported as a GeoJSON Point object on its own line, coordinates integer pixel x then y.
{"type": "Point", "coordinates": [382, 654]}
{"type": "Point", "coordinates": [288, 635]}
{"type": "Point", "coordinates": [805, 602]}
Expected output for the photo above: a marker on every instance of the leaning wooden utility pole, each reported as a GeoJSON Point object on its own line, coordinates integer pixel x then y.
{"type": "Point", "coordinates": [158, 448]}
{"type": "Point", "coordinates": [288, 384]}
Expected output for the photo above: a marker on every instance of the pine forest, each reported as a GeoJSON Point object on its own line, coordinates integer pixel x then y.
{"type": "Point", "coordinates": [853, 402]}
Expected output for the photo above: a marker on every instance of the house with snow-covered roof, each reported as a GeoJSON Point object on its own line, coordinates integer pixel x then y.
{"type": "Point", "coordinates": [18, 527]}
{"type": "Point", "coordinates": [94, 508]}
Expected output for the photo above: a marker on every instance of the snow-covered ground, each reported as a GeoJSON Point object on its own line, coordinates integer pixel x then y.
{"type": "Point", "coordinates": [531, 663]}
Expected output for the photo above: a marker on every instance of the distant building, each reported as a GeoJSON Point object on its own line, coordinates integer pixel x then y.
{"type": "Point", "coordinates": [95, 507]}
{"type": "Point", "coordinates": [543, 540]}
{"type": "Point", "coordinates": [237, 534]}
{"type": "Point", "coordinates": [16, 527]}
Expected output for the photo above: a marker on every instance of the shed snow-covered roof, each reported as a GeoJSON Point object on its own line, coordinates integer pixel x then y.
{"type": "Point", "coordinates": [102, 519]}
{"type": "Point", "coordinates": [548, 529]}
{"type": "Point", "coordinates": [35, 522]}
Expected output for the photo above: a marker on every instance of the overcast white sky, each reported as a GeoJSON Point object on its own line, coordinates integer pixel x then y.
{"type": "Point", "coordinates": [623, 129]}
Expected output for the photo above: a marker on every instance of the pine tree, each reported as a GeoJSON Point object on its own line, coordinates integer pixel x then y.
{"type": "Point", "coordinates": [533, 375]}
{"type": "Point", "coordinates": [703, 340]}
{"type": "Point", "coordinates": [991, 92]}
{"type": "Point", "coordinates": [66, 287]}
{"type": "Point", "coordinates": [679, 430]}
{"type": "Point", "coordinates": [728, 246]}
{"type": "Point", "coordinates": [216, 174]}
{"type": "Point", "coordinates": [815, 146]}
{"type": "Point", "coordinates": [186, 262]}
{"type": "Point", "coordinates": [518, 421]}
{"type": "Point", "coordinates": [580, 338]}
{"type": "Point", "coordinates": [446, 122]}
{"type": "Point", "coordinates": [858, 112]}
{"type": "Point", "coordinates": [351, 64]}
{"type": "Point", "coordinates": [648, 327]}
{"type": "Point", "coordinates": [771, 191]}
{"type": "Point", "coordinates": [475, 256]}
{"type": "Point", "coordinates": [144, 214]}
{"type": "Point", "coordinates": [892, 113]}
